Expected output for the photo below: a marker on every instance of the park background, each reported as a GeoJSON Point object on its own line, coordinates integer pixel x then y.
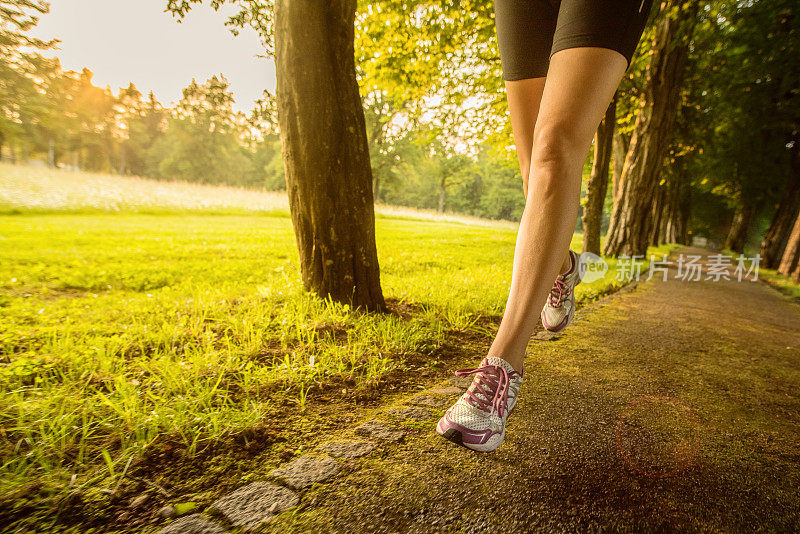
{"type": "Point", "coordinates": [159, 327]}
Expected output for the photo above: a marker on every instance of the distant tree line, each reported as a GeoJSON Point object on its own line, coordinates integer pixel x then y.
{"type": "Point", "coordinates": [62, 118]}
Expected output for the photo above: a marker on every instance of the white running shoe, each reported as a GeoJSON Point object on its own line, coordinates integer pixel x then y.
{"type": "Point", "coordinates": [559, 309]}
{"type": "Point", "coordinates": [477, 420]}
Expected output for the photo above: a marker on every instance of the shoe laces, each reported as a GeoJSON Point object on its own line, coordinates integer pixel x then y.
{"type": "Point", "coordinates": [492, 382]}
{"type": "Point", "coordinates": [559, 293]}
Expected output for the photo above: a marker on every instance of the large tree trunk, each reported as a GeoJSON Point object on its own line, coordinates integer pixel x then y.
{"type": "Point", "coordinates": [631, 224]}
{"type": "Point", "coordinates": [774, 242]}
{"type": "Point", "coordinates": [325, 152]}
{"type": "Point", "coordinates": [620, 150]}
{"type": "Point", "coordinates": [737, 235]}
{"type": "Point", "coordinates": [676, 209]}
{"type": "Point", "coordinates": [597, 186]}
{"type": "Point", "coordinates": [657, 210]}
{"type": "Point", "coordinates": [790, 263]}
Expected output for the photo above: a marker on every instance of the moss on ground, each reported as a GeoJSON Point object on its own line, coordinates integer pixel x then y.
{"type": "Point", "coordinates": [667, 366]}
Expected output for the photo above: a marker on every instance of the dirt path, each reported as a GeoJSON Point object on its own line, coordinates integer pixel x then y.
{"type": "Point", "coordinates": [673, 406]}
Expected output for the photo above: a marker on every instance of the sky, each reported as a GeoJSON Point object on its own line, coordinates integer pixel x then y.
{"type": "Point", "coordinates": [124, 41]}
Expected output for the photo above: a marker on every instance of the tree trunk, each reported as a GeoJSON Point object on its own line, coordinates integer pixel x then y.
{"type": "Point", "coordinates": [376, 187]}
{"type": "Point", "coordinates": [790, 262]}
{"type": "Point", "coordinates": [675, 212]}
{"type": "Point", "coordinates": [684, 211]}
{"type": "Point", "coordinates": [325, 152]}
{"type": "Point", "coordinates": [774, 242]}
{"type": "Point", "coordinates": [442, 194]}
{"type": "Point", "coordinates": [620, 150]}
{"type": "Point", "coordinates": [656, 216]}
{"type": "Point", "coordinates": [597, 186]}
{"type": "Point", "coordinates": [737, 235]}
{"type": "Point", "coordinates": [780, 228]}
{"type": "Point", "coordinates": [631, 224]}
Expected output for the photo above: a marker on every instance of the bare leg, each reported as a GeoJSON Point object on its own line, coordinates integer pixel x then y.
{"type": "Point", "coordinates": [524, 99]}
{"type": "Point", "coordinates": [579, 86]}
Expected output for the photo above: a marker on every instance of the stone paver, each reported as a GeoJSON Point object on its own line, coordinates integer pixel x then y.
{"type": "Point", "coordinates": [192, 524]}
{"type": "Point", "coordinates": [348, 449]}
{"type": "Point", "coordinates": [429, 401]}
{"type": "Point", "coordinates": [412, 413]}
{"type": "Point", "coordinates": [251, 505]}
{"type": "Point", "coordinates": [379, 430]}
{"type": "Point", "coordinates": [306, 470]}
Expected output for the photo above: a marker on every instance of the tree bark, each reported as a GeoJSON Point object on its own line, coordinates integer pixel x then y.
{"type": "Point", "coordinates": [656, 214]}
{"type": "Point", "coordinates": [790, 262]}
{"type": "Point", "coordinates": [597, 186]}
{"type": "Point", "coordinates": [620, 150]}
{"type": "Point", "coordinates": [777, 235]}
{"type": "Point", "coordinates": [737, 235]}
{"type": "Point", "coordinates": [676, 212]}
{"type": "Point", "coordinates": [631, 224]}
{"type": "Point", "coordinates": [325, 151]}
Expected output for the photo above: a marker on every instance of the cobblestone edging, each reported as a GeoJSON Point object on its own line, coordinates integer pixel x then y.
{"type": "Point", "coordinates": [257, 503]}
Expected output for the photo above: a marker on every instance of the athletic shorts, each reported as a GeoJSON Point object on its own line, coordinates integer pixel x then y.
{"type": "Point", "coordinates": [530, 31]}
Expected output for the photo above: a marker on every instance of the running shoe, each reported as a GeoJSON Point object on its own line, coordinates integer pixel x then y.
{"type": "Point", "coordinates": [477, 420]}
{"type": "Point", "coordinates": [559, 309]}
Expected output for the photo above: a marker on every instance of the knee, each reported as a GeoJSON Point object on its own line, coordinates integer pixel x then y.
{"type": "Point", "coordinates": [556, 161]}
{"type": "Point", "coordinates": [555, 149]}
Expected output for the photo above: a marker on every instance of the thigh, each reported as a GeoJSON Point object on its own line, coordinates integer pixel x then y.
{"type": "Point", "coordinates": [613, 24]}
{"type": "Point", "coordinates": [580, 84]}
{"type": "Point", "coordinates": [525, 36]}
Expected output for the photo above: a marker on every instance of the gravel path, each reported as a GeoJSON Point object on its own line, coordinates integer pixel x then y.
{"type": "Point", "coordinates": [671, 406]}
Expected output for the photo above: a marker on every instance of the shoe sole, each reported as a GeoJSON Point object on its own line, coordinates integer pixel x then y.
{"type": "Point", "coordinates": [570, 316]}
{"type": "Point", "coordinates": [451, 434]}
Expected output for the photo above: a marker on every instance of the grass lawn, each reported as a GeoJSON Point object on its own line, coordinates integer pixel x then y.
{"type": "Point", "coordinates": [124, 333]}
{"type": "Point", "coordinates": [782, 283]}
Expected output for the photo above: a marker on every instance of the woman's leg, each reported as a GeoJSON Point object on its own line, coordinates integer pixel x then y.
{"type": "Point", "coordinates": [579, 86]}
{"type": "Point", "coordinates": [524, 98]}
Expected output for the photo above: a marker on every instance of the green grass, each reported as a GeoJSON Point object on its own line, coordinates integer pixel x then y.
{"type": "Point", "coordinates": [120, 332]}
{"type": "Point", "coordinates": [771, 277]}
{"type": "Point", "coordinates": [781, 282]}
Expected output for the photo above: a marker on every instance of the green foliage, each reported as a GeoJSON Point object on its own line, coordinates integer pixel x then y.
{"type": "Point", "coordinates": [256, 14]}
{"type": "Point", "coordinates": [742, 112]}
{"type": "Point", "coordinates": [18, 62]}
{"type": "Point", "coordinates": [201, 143]}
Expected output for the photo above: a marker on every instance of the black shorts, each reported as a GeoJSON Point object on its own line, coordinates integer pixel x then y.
{"type": "Point", "coordinates": [530, 31]}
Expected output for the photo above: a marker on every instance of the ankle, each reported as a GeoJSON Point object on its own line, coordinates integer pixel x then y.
{"type": "Point", "coordinates": [567, 265]}
{"type": "Point", "coordinates": [516, 363]}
